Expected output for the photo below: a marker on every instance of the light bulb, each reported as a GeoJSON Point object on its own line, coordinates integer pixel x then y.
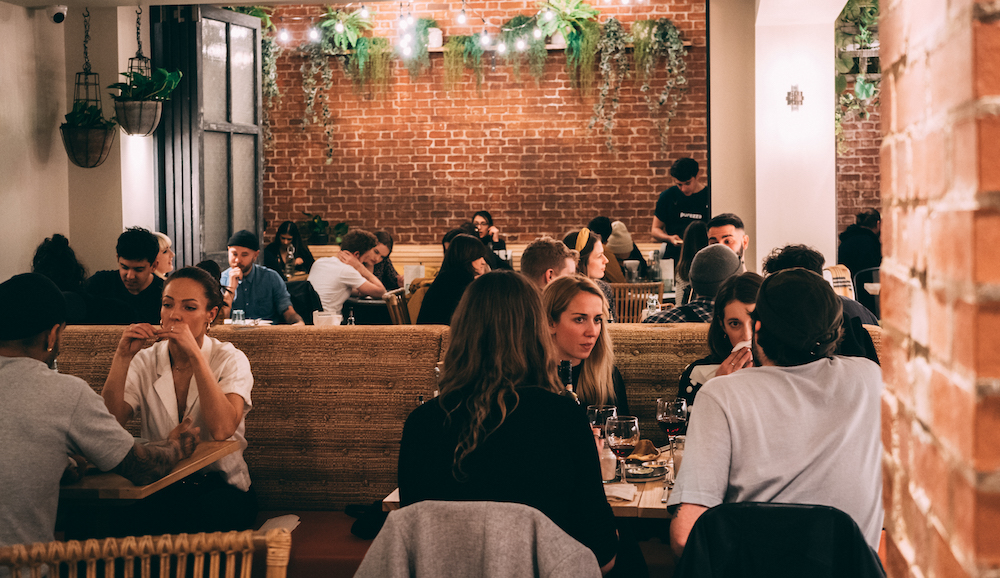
{"type": "Point", "coordinates": [537, 32]}
{"type": "Point", "coordinates": [339, 27]}
{"type": "Point", "coordinates": [520, 44]}
{"type": "Point", "coordinates": [314, 34]}
{"type": "Point", "coordinates": [461, 17]}
{"type": "Point", "coordinates": [410, 20]}
{"type": "Point", "coordinates": [549, 15]}
{"type": "Point", "coordinates": [364, 12]}
{"type": "Point", "coordinates": [284, 36]}
{"type": "Point", "coordinates": [407, 50]}
{"type": "Point", "coordinates": [501, 48]}
{"type": "Point", "coordinates": [406, 38]}
{"type": "Point", "coordinates": [484, 39]}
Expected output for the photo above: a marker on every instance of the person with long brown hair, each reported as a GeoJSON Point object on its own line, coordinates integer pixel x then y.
{"type": "Point", "coordinates": [500, 422]}
{"type": "Point", "coordinates": [593, 262]}
{"type": "Point", "coordinates": [577, 313]}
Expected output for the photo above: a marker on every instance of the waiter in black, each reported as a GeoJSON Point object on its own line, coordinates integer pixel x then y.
{"type": "Point", "coordinates": [680, 205]}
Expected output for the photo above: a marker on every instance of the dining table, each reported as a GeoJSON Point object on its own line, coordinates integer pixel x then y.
{"type": "Point", "coordinates": [110, 486]}
{"type": "Point", "coordinates": [647, 503]}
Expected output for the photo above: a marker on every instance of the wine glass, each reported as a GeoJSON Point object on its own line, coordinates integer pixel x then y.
{"type": "Point", "coordinates": [622, 433]}
{"type": "Point", "coordinates": [598, 415]}
{"type": "Point", "coordinates": [671, 414]}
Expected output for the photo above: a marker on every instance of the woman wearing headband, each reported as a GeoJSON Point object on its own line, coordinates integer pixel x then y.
{"type": "Point", "coordinates": [592, 261]}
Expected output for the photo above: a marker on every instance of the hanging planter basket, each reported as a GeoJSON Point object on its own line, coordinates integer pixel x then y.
{"type": "Point", "coordinates": [138, 117]}
{"type": "Point", "coordinates": [87, 147]}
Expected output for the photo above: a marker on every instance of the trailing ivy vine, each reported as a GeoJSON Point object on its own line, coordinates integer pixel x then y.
{"type": "Point", "coordinates": [417, 60]}
{"type": "Point", "coordinates": [518, 29]}
{"type": "Point", "coordinates": [463, 53]}
{"type": "Point", "coordinates": [656, 40]}
{"type": "Point", "coordinates": [614, 70]}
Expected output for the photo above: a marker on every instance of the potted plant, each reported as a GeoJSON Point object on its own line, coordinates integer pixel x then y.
{"type": "Point", "coordinates": [576, 21]}
{"type": "Point", "coordinates": [561, 18]}
{"type": "Point", "coordinates": [140, 100]}
{"type": "Point", "coordinates": [317, 229]}
{"type": "Point", "coordinates": [87, 135]}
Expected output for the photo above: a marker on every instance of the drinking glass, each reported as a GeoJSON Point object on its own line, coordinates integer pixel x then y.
{"type": "Point", "coordinates": [622, 433]}
{"type": "Point", "coordinates": [671, 415]}
{"type": "Point", "coordinates": [598, 416]}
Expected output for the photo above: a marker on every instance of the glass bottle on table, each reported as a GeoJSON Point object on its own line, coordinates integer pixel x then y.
{"type": "Point", "coordinates": [290, 262]}
{"type": "Point", "coordinates": [653, 272]}
{"type": "Point", "coordinates": [566, 377]}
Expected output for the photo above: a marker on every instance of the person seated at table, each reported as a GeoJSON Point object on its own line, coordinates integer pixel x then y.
{"type": "Point", "coordinates": [57, 261]}
{"type": "Point", "coordinates": [709, 270]}
{"type": "Point", "coordinates": [592, 262]}
{"type": "Point", "coordinates": [695, 239]}
{"type": "Point", "coordinates": [350, 272]}
{"type": "Point", "coordinates": [547, 259]}
{"type": "Point", "coordinates": [133, 291]}
{"type": "Point", "coordinates": [731, 327]}
{"type": "Point", "coordinates": [47, 415]}
{"type": "Point", "coordinates": [259, 291]}
{"type": "Point", "coordinates": [499, 422]}
{"type": "Point", "coordinates": [187, 374]}
{"type": "Point", "coordinates": [384, 269]}
{"type": "Point", "coordinates": [613, 273]}
{"type": "Point", "coordinates": [466, 228]}
{"type": "Point", "coordinates": [464, 261]}
{"type": "Point", "coordinates": [620, 245]}
{"type": "Point", "coordinates": [577, 311]}
{"type": "Point", "coordinates": [490, 237]}
{"type": "Point", "coordinates": [165, 259]}
{"type": "Point", "coordinates": [276, 252]}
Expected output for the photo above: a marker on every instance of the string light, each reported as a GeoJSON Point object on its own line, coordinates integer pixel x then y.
{"type": "Point", "coordinates": [548, 15]}
{"type": "Point", "coordinates": [521, 44]}
{"type": "Point", "coordinates": [484, 39]}
{"type": "Point", "coordinates": [502, 48]}
{"type": "Point", "coordinates": [339, 27]}
{"type": "Point", "coordinates": [537, 32]}
{"type": "Point", "coordinates": [461, 16]}
{"type": "Point", "coordinates": [314, 34]}
{"type": "Point", "coordinates": [284, 36]}
{"type": "Point", "coordinates": [364, 12]}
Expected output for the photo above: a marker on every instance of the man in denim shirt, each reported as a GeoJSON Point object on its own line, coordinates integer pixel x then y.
{"type": "Point", "coordinates": [260, 292]}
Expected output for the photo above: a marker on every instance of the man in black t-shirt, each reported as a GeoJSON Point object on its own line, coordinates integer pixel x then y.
{"type": "Point", "coordinates": [680, 205]}
{"type": "Point", "coordinates": [132, 294]}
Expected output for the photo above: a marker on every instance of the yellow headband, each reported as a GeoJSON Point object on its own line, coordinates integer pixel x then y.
{"type": "Point", "coordinates": [581, 239]}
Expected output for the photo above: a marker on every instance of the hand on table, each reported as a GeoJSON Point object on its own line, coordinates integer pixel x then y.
{"type": "Point", "coordinates": [737, 360]}
{"type": "Point", "coordinates": [186, 437]}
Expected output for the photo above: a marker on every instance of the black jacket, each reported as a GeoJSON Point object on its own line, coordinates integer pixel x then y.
{"type": "Point", "coordinates": [860, 248]}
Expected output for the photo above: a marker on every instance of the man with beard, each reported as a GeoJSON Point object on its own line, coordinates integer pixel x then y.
{"type": "Point", "coordinates": [728, 229]}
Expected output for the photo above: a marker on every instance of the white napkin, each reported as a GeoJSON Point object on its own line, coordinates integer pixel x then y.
{"type": "Point", "coordinates": [411, 272]}
{"type": "Point", "coordinates": [623, 492]}
{"type": "Point", "coordinates": [288, 521]}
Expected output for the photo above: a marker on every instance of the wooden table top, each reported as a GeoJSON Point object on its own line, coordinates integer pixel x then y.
{"type": "Point", "coordinates": [109, 486]}
{"type": "Point", "coordinates": [647, 503]}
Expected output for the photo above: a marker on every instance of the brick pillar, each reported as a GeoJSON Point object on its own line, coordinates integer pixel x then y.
{"type": "Point", "coordinates": [941, 286]}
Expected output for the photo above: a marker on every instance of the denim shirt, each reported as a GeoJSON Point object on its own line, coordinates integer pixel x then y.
{"type": "Point", "coordinates": [261, 294]}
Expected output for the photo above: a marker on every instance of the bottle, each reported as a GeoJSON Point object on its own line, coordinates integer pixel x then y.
{"type": "Point", "coordinates": [290, 262]}
{"type": "Point", "coordinates": [652, 306]}
{"type": "Point", "coordinates": [654, 267]}
{"type": "Point", "coordinates": [350, 318]}
{"type": "Point", "coordinates": [609, 463]}
{"type": "Point", "coordinates": [566, 376]}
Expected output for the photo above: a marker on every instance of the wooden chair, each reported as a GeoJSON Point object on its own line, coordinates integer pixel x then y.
{"type": "Point", "coordinates": [840, 277]}
{"type": "Point", "coordinates": [168, 551]}
{"type": "Point", "coordinates": [395, 300]}
{"type": "Point", "coordinates": [631, 298]}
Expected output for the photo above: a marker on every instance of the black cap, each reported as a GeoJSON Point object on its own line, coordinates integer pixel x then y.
{"type": "Point", "coordinates": [711, 267]}
{"type": "Point", "coordinates": [33, 304]}
{"type": "Point", "coordinates": [800, 309]}
{"type": "Point", "coordinates": [244, 238]}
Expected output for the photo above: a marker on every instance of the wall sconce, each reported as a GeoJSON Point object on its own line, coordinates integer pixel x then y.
{"type": "Point", "coordinates": [794, 98]}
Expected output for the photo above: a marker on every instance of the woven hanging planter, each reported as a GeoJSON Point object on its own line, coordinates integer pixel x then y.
{"type": "Point", "coordinates": [87, 147]}
{"type": "Point", "coordinates": [138, 117]}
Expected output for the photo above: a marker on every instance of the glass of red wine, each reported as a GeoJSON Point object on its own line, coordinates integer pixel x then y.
{"type": "Point", "coordinates": [598, 415]}
{"type": "Point", "coordinates": [622, 434]}
{"type": "Point", "coordinates": [671, 414]}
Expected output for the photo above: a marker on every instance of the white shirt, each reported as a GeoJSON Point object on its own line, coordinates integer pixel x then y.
{"type": "Point", "coordinates": [334, 281]}
{"type": "Point", "coordinates": [149, 390]}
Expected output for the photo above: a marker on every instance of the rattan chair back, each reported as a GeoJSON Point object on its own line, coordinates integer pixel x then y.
{"type": "Point", "coordinates": [395, 300]}
{"type": "Point", "coordinates": [631, 299]}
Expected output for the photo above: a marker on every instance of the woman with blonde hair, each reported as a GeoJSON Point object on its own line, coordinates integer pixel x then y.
{"type": "Point", "coordinates": [577, 314]}
{"type": "Point", "coordinates": [500, 420]}
{"type": "Point", "coordinates": [165, 258]}
{"type": "Point", "coordinates": [593, 262]}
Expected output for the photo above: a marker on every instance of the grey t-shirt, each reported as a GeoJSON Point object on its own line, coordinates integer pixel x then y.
{"type": "Point", "coordinates": [808, 434]}
{"type": "Point", "coordinates": [44, 417]}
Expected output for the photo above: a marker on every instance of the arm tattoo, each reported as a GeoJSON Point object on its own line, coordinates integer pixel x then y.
{"type": "Point", "coordinates": [146, 463]}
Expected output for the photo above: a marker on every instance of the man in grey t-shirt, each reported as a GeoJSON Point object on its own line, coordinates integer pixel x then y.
{"type": "Point", "coordinates": [804, 427]}
{"type": "Point", "coordinates": [45, 417]}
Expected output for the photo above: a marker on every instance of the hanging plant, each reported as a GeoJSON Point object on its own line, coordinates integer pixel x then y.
{"type": "Point", "coordinates": [87, 136]}
{"type": "Point", "coordinates": [342, 29]}
{"type": "Point", "coordinates": [614, 69]}
{"type": "Point", "coordinates": [655, 40]}
{"type": "Point", "coordinates": [317, 64]}
{"type": "Point", "coordinates": [521, 29]}
{"type": "Point", "coordinates": [370, 66]}
{"type": "Point", "coordinates": [412, 46]}
{"type": "Point", "coordinates": [576, 21]}
{"type": "Point", "coordinates": [856, 38]}
{"type": "Point", "coordinates": [463, 53]}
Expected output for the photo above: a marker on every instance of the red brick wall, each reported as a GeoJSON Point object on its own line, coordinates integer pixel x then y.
{"type": "Point", "coordinates": [419, 160]}
{"type": "Point", "coordinates": [940, 304]}
{"type": "Point", "coordinates": [858, 168]}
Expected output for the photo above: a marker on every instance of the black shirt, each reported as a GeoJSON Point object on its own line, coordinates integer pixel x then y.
{"type": "Point", "coordinates": [677, 210]}
{"type": "Point", "coordinates": [141, 308]}
{"type": "Point", "coordinates": [442, 297]}
{"type": "Point", "coordinates": [543, 456]}
{"type": "Point", "coordinates": [272, 258]}
{"type": "Point", "coordinates": [618, 384]}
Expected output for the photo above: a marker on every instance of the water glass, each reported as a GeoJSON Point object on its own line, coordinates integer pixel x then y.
{"type": "Point", "coordinates": [238, 317]}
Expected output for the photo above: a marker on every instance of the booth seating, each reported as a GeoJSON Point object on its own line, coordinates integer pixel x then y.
{"type": "Point", "coordinates": [329, 405]}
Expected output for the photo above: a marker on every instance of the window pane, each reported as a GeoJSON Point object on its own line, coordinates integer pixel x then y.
{"type": "Point", "coordinates": [243, 74]}
{"type": "Point", "coordinates": [244, 182]}
{"type": "Point", "coordinates": [216, 192]}
{"type": "Point", "coordinates": [214, 56]}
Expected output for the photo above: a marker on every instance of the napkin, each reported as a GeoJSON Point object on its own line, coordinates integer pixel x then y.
{"type": "Point", "coordinates": [644, 451]}
{"type": "Point", "coordinates": [623, 492]}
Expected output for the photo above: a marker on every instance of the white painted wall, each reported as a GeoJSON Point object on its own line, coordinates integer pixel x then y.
{"type": "Point", "coordinates": [795, 156]}
{"type": "Point", "coordinates": [33, 178]}
{"type": "Point", "coordinates": [731, 105]}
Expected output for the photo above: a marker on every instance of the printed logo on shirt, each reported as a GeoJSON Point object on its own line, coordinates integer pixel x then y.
{"type": "Point", "coordinates": [691, 216]}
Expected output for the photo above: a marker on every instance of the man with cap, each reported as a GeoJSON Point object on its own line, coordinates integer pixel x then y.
{"type": "Point", "coordinates": [132, 293]}
{"type": "Point", "coordinates": [801, 428]}
{"type": "Point", "coordinates": [46, 417]}
{"type": "Point", "coordinates": [258, 291]}
{"type": "Point", "coordinates": [709, 270]}
{"type": "Point", "coordinates": [621, 245]}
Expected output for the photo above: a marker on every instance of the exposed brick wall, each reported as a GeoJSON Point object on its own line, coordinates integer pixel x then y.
{"type": "Point", "coordinates": [858, 168]}
{"type": "Point", "coordinates": [419, 160]}
{"type": "Point", "coordinates": [941, 287]}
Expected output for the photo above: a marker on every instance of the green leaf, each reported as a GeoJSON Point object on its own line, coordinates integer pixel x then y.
{"type": "Point", "coordinates": [863, 89]}
{"type": "Point", "coordinates": [839, 83]}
